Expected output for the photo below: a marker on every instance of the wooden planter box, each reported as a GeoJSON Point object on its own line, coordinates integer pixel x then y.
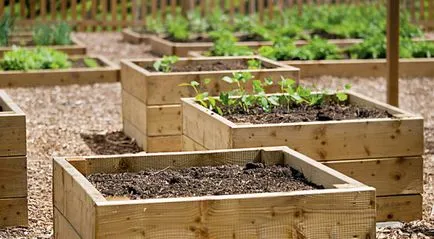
{"type": "Point", "coordinates": [131, 36]}
{"type": "Point", "coordinates": [417, 67]}
{"type": "Point", "coordinates": [151, 104]}
{"type": "Point", "coordinates": [13, 164]}
{"type": "Point", "coordinates": [344, 209]}
{"type": "Point", "coordinates": [382, 153]}
{"type": "Point", "coordinates": [76, 48]}
{"type": "Point", "coordinates": [108, 72]}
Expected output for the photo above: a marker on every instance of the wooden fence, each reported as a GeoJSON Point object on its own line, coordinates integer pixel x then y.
{"type": "Point", "coordinates": [115, 14]}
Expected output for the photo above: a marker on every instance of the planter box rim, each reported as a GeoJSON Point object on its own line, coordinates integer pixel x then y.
{"type": "Point", "coordinates": [398, 115]}
{"type": "Point", "coordinates": [75, 43]}
{"type": "Point", "coordinates": [11, 107]}
{"type": "Point", "coordinates": [160, 38]}
{"type": "Point", "coordinates": [348, 185]}
{"type": "Point", "coordinates": [278, 66]}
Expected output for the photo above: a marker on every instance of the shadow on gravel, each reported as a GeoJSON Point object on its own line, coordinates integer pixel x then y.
{"type": "Point", "coordinates": [110, 143]}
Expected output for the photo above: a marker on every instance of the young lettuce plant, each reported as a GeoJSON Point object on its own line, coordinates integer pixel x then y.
{"type": "Point", "coordinates": [165, 64]}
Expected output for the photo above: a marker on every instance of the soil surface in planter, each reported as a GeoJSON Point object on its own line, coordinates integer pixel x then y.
{"type": "Point", "coordinates": [304, 113]}
{"type": "Point", "coordinates": [210, 66]}
{"type": "Point", "coordinates": [204, 38]}
{"type": "Point", "coordinates": [1, 108]}
{"type": "Point", "coordinates": [79, 63]}
{"type": "Point", "coordinates": [201, 181]}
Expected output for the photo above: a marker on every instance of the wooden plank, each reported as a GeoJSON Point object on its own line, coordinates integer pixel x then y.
{"type": "Point", "coordinates": [399, 208]}
{"type": "Point", "coordinates": [261, 10]}
{"type": "Point", "coordinates": [168, 143]}
{"type": "Point", "coordinates": [393, 52]}
{"type": "Point", "coordinates": [173, 7]}
{"type": "Point", "coordinates": [133, 37]}
{"type": "Point", "coordinates": [23, 8]}
{"type": "Point", "coordinates": [12, 7]}
{"type": "Point", "coordinates": [103, 4]}
{"type": "Point", "coordinates": [422, 9]}
{"type": "Point", "coordinates": [132, 131]}
{"type": "Point", "coordinates": [93, 12]}
{"type": "Point", "coordinates": [13, 177]}
{"type": "Point", "coordinates": [124, 12]}
{"type": "Point", "coordinates": [133, 81]}
{"type": "Point", "coordinates": [53, 9]}
{"type": "Point", "coordinates": [278, 217]}
{"type": "Point", "coordinates": [62, 227]}
{"type": "Point", "coordinates": [2, 8]}
{"type": "Point", "coordinates": [134, 111]}
{"type": "Point", "coordinates": [12, 128]}
{"type": "Point", "coordinates": [163, 120]}
{"type": "Point", "coordinates": [154, 9]}
{"type": "Point", "coordinates": [389, 176]}
{"type": "Point", "coordinates": [13, 212]}
{"type": "Point", "coordinates": [190, 145]}
{"type": "Point", "coordinates": [63, 10]}
{"type": "Point", "coordinates": [74, 10]}
{"type": "Point", "coordinates": [82, 26]}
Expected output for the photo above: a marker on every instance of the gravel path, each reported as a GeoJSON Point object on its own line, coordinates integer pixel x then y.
{"type": "Point", "coordinates": [85, 120]}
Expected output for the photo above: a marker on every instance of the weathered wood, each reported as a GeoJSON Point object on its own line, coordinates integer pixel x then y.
{"type": "Point", "coordinates": [130, 36]}
{"type": "Point", "coordinates": [341, 211]}
{"type": "Point", "coordinates": [13, 212]}
{"type": "Point", "coordinates": [159, 95]}
{"type": "Point", "coordinates": [63, 228]}
{"type": "Point", "coordinates": [108, 72]}
{"type": "Point", "coordinates": [76, 48]}
{"type": "Point", "coordinates": [166, 143]}
{"type": "Point", "coordinates": [12, 128]}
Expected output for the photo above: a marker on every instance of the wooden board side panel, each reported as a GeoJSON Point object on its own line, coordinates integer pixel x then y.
{"type": "Point", "coordinates": [389, 176]}
{"type": "Point", "coordinates": [337, 141]}
{"type": "Point", "coordinates": [13, 212]}
{"type": "Point", "coordinates": [190, 145]}
{"type": "Point", "coordinates": [161, 47]}
{"type": "Point", "coordinates": [164, 120]}
{"type": "Point", "coordinates": [13, 177]}
{"type": "Point", "coordinates": [399, 208]}
{"type": "Point", "coordinates": [314, 216]}
{"type": "Point", "coordinates": [204, 129]}
{"type": "Point", "coordinates": [72, 199]}
{"type": "Point", "coordinates": [12, 135]}
{"type": "Point", "coordinates": [133, 80]}
{"type": "Point", "coordinates": [169, 143]}
{"type": "Point", "coordinates": [134, 111]}
{"type": "Point", "coordinates": [62, 228]}
{"type": "Point", "coordinates": [131, 131]}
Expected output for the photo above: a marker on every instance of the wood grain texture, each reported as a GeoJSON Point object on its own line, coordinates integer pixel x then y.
{"type": "Point", "coordinates": [167, 143]}
{"type": "Point", "coordinates": [13, 177]}
{"type": "Point", "coordinates": [389, 176]}
{"type": "Point", "coordinates": [62, 227]}
{"type": "Point", "coordinates": [130, 36]}
{"type": "Point", "coordinates": [12, 128]}
{"type": "Point", "coordinates": [399, 208]}
{"type": "Point", "coordinates": [164, 120]}
{"type": "Point", "coordinates": [13, 212]}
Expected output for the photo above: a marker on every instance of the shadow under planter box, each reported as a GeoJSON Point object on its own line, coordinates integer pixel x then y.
{"type": "Point", "coordinates": [13, 164]}
{"type": "Point", "coordinates": [135, 37]}
{"type": "Point", "coordinates": [341, 207]}
{"type": "Point", "coordinates": [79, 73]}
{"type": "Point", "coordinates": [384, 153]}
{"type": "Point", "coordinates": [76, 48]}
{"type": "Point", "coordinates": [151, 101]}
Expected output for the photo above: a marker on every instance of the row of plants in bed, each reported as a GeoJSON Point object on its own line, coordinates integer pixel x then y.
{"type": "Point", "coordinates": [45, 66]}
{"type": "Point", "coordinates": [57, 36]}
{"type": "Point", "coordinates": [328, 21]}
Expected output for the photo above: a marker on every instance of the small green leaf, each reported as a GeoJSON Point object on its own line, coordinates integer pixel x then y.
{"type": "Point", "coordinates": [194, 83]}
{"type": "Point", "coordinates": [347, 86]}
{"type": "Point", "coordinates": [228, 79]}
{"type": "Point", "coordinates": [207, 81]}
{"type": "Point", "coordinates": [341, 96]}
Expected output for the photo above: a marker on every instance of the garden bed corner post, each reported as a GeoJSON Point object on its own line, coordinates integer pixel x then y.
{"type": "Point", "coordinates": [393, 52]}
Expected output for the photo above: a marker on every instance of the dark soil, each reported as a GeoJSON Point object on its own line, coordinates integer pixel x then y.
{"type": "Point", "coordinates": [326, 35]}
{"type": "Point", "coordinates": [251, 37]}
{"type": "Point", "coordinates": [202, 181]}
{"type": "Point", "coordinates": [304, 113]}
{"type": "Point", "coordinates": [1, 108]}
{"type": "Point", "coordinates": [210, 66]}
{"type": "Point", "coordinates": [204, 38]}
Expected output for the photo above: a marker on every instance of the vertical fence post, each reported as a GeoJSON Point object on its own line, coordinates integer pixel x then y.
{"type": "Point", "coordinates": [393, 52]}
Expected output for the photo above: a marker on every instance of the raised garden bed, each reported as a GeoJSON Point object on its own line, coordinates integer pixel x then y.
{"type": "Point", "coordinates": [78, 74]}
{"type": "Point", "coordinates": [151, 102]}
{"type": "Point", "coordinates": [76, 48]}
{"type": "Point", "coordinates": [13, 164]}
{"type": "Point", "coordinates": [344, 208]}
{"type": "Point", "coordinates": [384, 153]}
{"type": "Point", "coordinates": [134, 37]}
